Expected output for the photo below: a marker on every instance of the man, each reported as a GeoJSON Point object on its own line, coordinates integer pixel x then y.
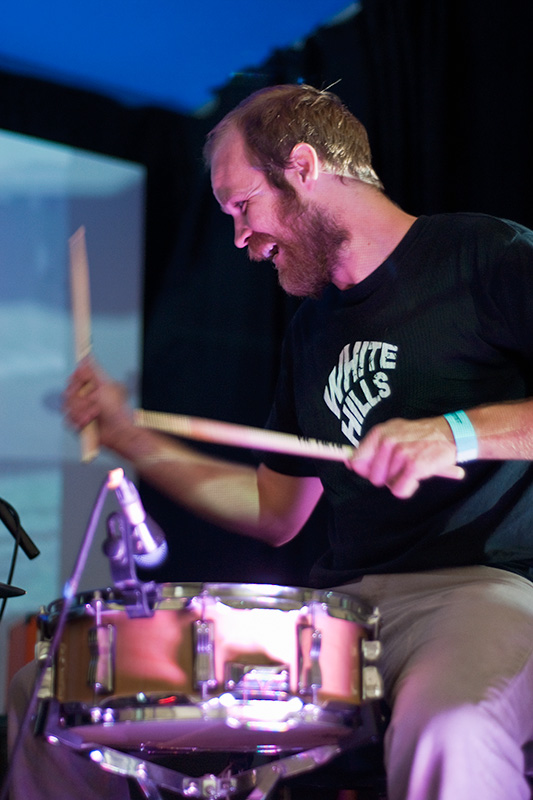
{"type": "Point", "coordinates": [407, 320]}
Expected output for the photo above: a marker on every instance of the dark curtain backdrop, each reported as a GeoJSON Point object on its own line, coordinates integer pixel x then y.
{"type": "Point", "coordinates": [445, 92]}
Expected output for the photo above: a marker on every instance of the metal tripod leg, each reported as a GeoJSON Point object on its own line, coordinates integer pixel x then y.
{"type": "Point", "coordinates": [258, 782]}
{"type": "Point", "coordinates": [150, 777]}
{"type": "Point", "coordinates": [269, 774]}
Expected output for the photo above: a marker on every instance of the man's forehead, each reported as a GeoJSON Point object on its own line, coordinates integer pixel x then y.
{"type": "Point", "coordinates": [228, 162]}
{"type": "Point", "coordinates": [229, 147]}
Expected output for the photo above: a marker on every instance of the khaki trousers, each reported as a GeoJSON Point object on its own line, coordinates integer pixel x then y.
{"type": "Point", "coordinates": [458, 673]}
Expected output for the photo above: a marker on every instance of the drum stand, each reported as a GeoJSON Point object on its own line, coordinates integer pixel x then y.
{"type": "Point", "coordinates": [255, 783]}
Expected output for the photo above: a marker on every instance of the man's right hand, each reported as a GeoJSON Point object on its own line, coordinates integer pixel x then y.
{"type": "Point", "coordinates": [91, 395]}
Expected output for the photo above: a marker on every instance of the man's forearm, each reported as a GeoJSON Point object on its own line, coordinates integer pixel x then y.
{"type": "Point", "coordinates": [504, 430]}
{"type": "Point", "coordinates": [255, 502]}
{"type": "Point", "coordinates": [217, 490]}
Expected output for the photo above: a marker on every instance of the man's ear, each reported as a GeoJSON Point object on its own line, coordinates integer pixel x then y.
{"type": "Point", "coordinates": [304, 163]}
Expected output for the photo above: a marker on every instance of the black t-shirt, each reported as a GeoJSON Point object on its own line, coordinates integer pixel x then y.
{"type": "Point", "coordinates": [445, 323]}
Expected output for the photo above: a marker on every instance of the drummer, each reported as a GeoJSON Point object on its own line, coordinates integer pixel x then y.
{"type": "Point", "coordinates": [415, 345]}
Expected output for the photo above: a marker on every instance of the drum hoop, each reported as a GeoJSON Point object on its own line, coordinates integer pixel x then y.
{"type": "Point", "coordinates": [235, 595]}
{"type": "Point", "coordinates": [74, 714]}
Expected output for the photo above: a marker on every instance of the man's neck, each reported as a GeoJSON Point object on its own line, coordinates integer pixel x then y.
{"type": "Point", "coordinates": [377, 226]}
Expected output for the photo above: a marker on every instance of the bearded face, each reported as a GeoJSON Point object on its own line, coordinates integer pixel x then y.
{"type": "Point", "coordinates": [306, 250]}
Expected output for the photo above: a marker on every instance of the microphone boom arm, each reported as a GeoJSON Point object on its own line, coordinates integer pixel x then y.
{"type": "Point", "coordinates": [12, 523]}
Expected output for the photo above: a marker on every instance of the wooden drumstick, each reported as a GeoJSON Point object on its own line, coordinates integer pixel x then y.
{"type": "Point", "coordinates": [208, 430]}
{"type": "Point", "coordinates": [81, 313]}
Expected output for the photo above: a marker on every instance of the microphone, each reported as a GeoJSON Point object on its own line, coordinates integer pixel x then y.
{"type": "Point", "coordinates": [150, 548]}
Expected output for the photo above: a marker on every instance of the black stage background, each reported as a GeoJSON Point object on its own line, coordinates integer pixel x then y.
{"type": "Point", "coordinates": [445, 92]}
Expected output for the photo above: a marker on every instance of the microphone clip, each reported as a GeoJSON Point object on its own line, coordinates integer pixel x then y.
{"type": "Point", "coordinates": [139, 596]}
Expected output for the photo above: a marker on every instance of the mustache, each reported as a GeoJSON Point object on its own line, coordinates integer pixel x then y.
{"type": "Point", "coordinates": [256, 246]}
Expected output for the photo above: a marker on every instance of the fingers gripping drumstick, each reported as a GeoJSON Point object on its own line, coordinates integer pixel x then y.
{"type": "Point", "coordinates": [208, 430]}
{"type": "Point", "coordinates": [81, 312]}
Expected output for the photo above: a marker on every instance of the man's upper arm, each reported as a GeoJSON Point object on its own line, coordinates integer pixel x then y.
{"type": "Point", "coordinates": [286, 503]}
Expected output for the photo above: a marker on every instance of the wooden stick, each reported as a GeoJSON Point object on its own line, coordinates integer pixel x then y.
{"type": "Point", "coordinates": [81, 312]}
{"type": "Point", "coordinates": [208, 430]}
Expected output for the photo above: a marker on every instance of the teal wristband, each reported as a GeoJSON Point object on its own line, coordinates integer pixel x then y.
{"type": "Point", "coordinates": [464, 435]}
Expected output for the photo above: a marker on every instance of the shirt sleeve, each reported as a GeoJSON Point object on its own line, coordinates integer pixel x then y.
{"type": "Point", "coordinates": [507, 300]}
{"type": "Point", "coordinates": [283, 418]}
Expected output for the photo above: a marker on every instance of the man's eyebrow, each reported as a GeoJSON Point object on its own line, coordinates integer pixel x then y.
{"type": "Point", "coordinates": [223, 197]}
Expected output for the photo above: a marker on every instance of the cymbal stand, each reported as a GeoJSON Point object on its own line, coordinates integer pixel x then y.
{"type": "Point", "coordinates": [69, 591]}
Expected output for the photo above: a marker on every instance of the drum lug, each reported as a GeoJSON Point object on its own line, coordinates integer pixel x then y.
{"type": "Point", "coordinates": [309, 672]}
{"type": "Point", "coordinates": [46, 689]}
{"type": "Point", "coordinates": [204, 655]}
{"type": "Point", "coordinates": [315, 673]}
{"type": "Point", "coordinates": [371, 650]}
{"type": "Point", "coordinates": [101, 672]}
{"type": "Point", "coordinates": [371, 680]}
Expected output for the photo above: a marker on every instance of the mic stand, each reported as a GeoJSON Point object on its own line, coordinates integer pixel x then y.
{"type": "Point", "coordinates": [70, 589]}
{"type": "Point", "coordinates": [9, 517]}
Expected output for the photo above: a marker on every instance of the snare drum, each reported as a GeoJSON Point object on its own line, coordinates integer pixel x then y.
{"type": "Point", "coordinates": [227, 667]}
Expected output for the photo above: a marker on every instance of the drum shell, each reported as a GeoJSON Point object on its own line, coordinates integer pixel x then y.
{"type": "Point", "coordinates": [253, 625]}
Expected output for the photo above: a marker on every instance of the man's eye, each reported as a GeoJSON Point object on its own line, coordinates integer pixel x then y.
{"type": "Point", "coordinates": [241, 206]}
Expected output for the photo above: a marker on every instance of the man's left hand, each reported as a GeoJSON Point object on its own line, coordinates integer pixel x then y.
{"type": "Point", "coordinates": [400, 453]}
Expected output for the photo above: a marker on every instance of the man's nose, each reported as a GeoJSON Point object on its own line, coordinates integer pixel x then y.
{"type": "Point", "coordinates": [242, 233]}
